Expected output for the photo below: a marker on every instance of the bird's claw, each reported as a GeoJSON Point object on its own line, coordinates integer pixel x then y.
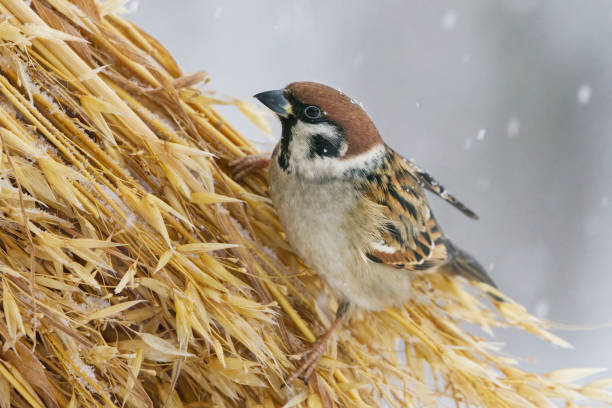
{"type": "Point", "coordinates": [308, 363]}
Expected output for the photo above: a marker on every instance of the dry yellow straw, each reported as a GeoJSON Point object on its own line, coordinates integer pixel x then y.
{"type": "Point", "coordinates": [135, 272]}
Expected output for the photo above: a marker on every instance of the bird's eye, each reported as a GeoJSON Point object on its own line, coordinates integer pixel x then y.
{"type": "Point", "coordinates": [312, 112]}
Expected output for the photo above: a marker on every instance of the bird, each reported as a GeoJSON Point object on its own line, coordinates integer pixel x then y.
{"type": "Point", "coordinates": [352, 208]}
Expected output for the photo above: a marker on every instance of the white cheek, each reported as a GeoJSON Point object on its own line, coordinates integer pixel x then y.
{"type": "Point", "coordinates": [303, 131]}
{"type": "Point", "coordinates": [300, 161]}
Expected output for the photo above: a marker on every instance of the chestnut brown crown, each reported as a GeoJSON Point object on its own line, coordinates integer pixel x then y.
{"type": "Point", "coordinates": [358, 129]}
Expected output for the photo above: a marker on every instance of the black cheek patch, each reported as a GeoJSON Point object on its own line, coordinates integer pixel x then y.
{"type": "Point", "coordinates": [322, 147]}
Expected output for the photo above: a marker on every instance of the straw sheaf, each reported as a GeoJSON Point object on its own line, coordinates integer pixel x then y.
{"type": "Point", "coordinates": [136, 272]}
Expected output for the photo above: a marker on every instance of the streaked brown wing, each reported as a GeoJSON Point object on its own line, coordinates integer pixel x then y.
{"type": "Point", "coordinates": [409, 234]}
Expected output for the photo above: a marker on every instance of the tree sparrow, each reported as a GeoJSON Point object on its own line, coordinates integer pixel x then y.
{"type": "Point", "coordinates": [352, 208]}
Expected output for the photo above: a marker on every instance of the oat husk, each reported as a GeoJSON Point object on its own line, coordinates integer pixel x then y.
{"type": "Point", "coordinates": [135, 272]}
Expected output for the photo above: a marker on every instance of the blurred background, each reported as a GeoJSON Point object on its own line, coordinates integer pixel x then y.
{"type": "Point", "coordinates": [507, 103]}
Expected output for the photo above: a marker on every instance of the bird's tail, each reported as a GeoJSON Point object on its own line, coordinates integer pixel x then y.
{"type": "Point", "coordinates": [463, 264]}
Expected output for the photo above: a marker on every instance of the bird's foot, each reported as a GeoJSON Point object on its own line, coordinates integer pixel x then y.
{"type": "Point", "coordinates": [311, 357]}
{"type": "Point", "coordinates": [308, 361]}
{"type": "Point", "coordinates": [244, 165]}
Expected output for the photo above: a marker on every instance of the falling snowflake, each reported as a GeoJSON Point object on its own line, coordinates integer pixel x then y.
{"type": "Point", "coordinates": [481, 134]}
{"type": "Point", "coordinates": [542, 308]}
{"type": "Point", "coordinates": [449, 20]}
{"type": "Point", "coordinates": [513, 128]}
{"type": "Point", "coordinates": [218, 11]}
{"type": "Point", "coordinates": [584, 94]}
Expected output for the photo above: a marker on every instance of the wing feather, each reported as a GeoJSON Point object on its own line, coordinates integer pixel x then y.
{"type": "Point", "coordinates": [409, 236]}
{"type": "Point", "coordinates": [431, 184]}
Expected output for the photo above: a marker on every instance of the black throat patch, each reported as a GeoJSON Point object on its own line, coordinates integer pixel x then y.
{"type": "Point", "coordinates": [286, 136]}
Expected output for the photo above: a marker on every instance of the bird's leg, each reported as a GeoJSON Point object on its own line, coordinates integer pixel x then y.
{"type": "Point", "coordinates": [244, 165]}
{"type": "Point", "coordinates": [311, 357]}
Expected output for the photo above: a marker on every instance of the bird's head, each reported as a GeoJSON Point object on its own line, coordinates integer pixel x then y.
{"type": "Point", "coordinates": [326, 135]}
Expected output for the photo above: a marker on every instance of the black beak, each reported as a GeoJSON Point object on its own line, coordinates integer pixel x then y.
{"type": "Point", "coordinates": [276, 102]}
